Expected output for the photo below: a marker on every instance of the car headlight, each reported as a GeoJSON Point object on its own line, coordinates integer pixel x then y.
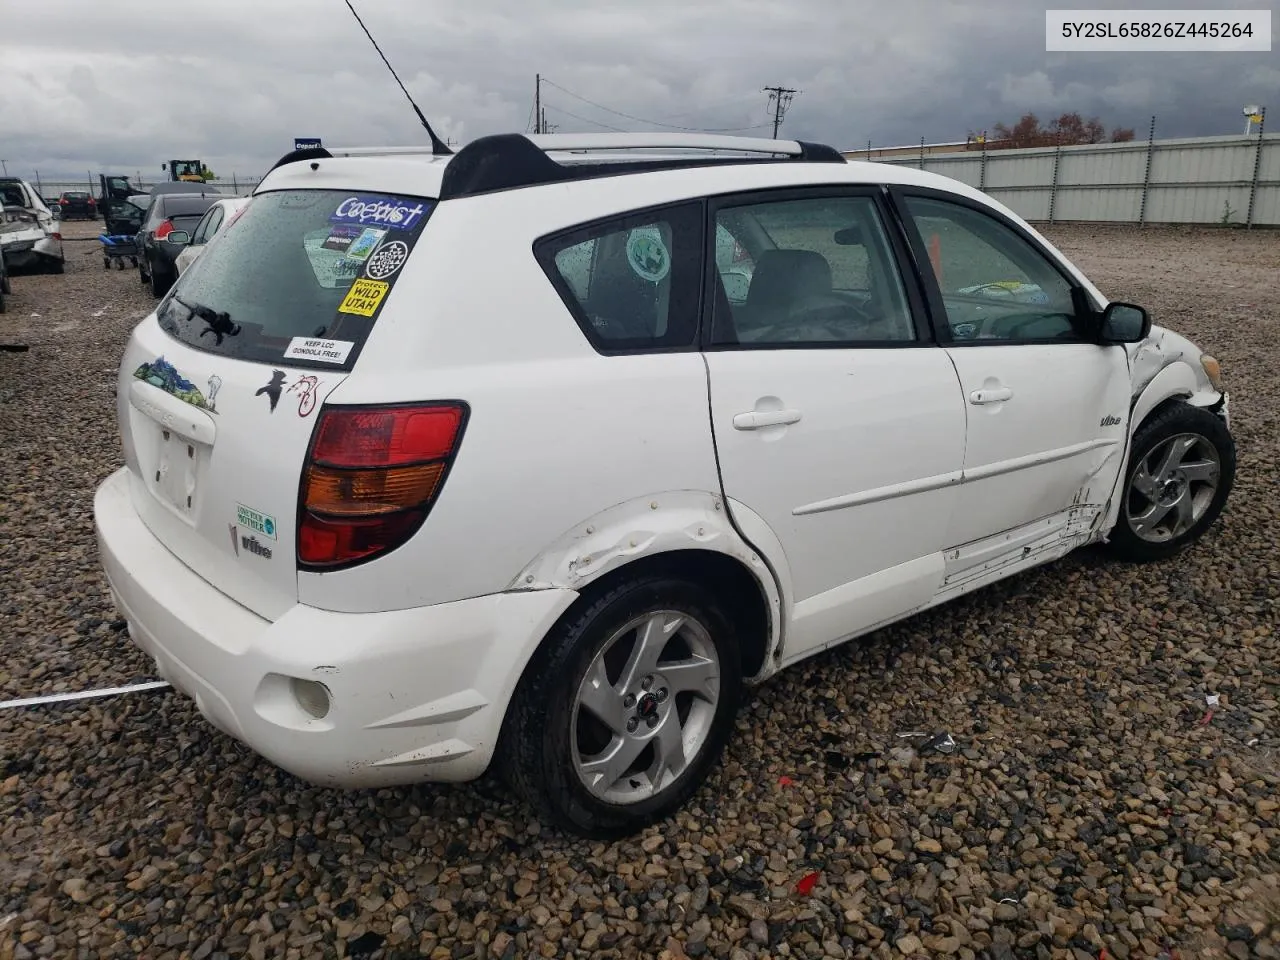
{"type": "Point", "coordinates": [1212, 370]}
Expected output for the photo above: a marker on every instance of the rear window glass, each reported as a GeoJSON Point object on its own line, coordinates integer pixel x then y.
{"type": "Point", "coordinates": [188, 206]}
{"type": "Point", "coordinates": [297, 277]}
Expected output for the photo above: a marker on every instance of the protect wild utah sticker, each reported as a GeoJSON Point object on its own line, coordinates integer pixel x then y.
{"type": "Point", "coordinates": [325, 351]}
{"type": "Point", "coordinates": [363, 297]}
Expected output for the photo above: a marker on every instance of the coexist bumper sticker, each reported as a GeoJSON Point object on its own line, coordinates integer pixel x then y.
{"type": "Point", "coordinates": [371, 210]}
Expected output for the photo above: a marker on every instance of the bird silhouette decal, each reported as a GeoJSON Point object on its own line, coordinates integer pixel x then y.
{"type": "Point", "coordinates": [272, 388]}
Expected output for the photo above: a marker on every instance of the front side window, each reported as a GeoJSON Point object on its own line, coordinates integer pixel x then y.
{"type": "Point", "coordinates": [820, 271]}
{"type": "Point", "coordinates": [995, 285]}
{"type": "Point", "coordinates": [632, 283]}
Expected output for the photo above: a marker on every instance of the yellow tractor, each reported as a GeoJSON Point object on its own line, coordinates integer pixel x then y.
{"type": "Point", "coordinates": [191, 171]}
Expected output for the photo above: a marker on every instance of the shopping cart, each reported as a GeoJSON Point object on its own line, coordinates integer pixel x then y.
{"type": "Point", "coordinates": [116, 247]}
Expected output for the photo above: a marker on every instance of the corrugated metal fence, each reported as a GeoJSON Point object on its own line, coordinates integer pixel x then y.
{"type": "Point", "coordinates": [1228, 180]}
{"type": "Point", "coordinates": [238, 186]}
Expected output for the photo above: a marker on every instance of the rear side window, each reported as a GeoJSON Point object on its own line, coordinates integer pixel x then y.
{"type": "Point", "coordinates": [633, 283]}
{"type": "Point", "coordinates": [300, 277]}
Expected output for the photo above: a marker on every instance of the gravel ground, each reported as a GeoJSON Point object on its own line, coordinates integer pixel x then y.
{"type": "Point", "coordinates": [1087, 805]}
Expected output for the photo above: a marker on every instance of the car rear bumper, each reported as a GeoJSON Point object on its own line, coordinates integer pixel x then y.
{"type": "Point", "coordinates": [413, 695]}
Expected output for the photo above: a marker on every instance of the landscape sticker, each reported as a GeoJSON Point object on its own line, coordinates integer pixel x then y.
{"type": "Point", "coordinates": [256, 520]}
{"type": "Point", "coordinates": [363, 297]}
{"type": "Point", "coordinates": [326, 351]}
{"type": "Point", "coordinates": [161, 373]}
{"type": "Point", "coordinates": [363, 245]}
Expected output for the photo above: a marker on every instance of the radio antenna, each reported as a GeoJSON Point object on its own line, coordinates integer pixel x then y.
{"type": "Point", "coordinates": [438, 146]}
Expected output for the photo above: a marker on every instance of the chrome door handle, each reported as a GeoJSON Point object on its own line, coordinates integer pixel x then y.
{"type": "Point", "coordinates": [764, 418]}
{"type": "Point", "coordinates": [990, 395]}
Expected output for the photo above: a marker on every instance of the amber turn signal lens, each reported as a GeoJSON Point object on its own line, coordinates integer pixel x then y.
{"type": "Point", "coordinates": [363, 493]}
{"type": "Point", "coordinates": [1213, 370]}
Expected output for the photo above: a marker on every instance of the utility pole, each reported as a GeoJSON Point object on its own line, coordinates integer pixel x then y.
{"type": "Point", "coordinates": [5, 165]}
{"type": "Point", "coordinates": [779, 100]}
{"type": "Point", "coordinates": [538, 116]}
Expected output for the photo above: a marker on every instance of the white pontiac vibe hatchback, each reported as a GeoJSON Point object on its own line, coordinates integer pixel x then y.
{"type": "Point", "coordinates": [531, 456]}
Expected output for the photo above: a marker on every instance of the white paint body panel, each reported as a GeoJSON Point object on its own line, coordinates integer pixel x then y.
{"type": "Point", "coordinates": [1046, 447]}
{"type": "Point", "coordinates": [891, 492]}
{"type": "Point", "coordinates": [864, 481]}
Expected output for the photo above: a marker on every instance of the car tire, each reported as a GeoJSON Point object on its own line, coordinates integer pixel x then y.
{"type": "Point", "coordinates": [57, 266]}
{"type": "Point", "coordinates": [552, 739]}
{"type": "Point", "coordinates": [1180, 472]}
{"type": "Point", "coordinates": [5, 285]}
{"type": "Point", "coordinates": [160, 282]}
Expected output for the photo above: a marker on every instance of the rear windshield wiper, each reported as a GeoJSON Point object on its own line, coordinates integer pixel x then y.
{"type": "Point", "coordinates": [218, 324]}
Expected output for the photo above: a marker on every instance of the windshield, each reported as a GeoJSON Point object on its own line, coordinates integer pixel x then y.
{"type": "Point", "coordinates": [297, 276]}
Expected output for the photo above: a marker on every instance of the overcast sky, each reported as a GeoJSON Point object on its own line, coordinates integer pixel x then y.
{"type": "Point", "coordinates": [129, 84]}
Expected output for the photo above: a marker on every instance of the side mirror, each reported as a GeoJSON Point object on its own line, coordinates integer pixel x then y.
{"type": "Point", "coordinates": [179, 237]}
{"type": "Point", "coordinates": [1124, 323]}
{"type": "Point", "coordinates": [736, 285]}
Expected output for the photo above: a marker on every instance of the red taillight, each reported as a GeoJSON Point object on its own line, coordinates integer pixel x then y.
{"type": "Point", "coordinates": [371, 477]}
{"type": "Point", "coordinates": [63, 202]}
{"type": "Point", "coordinates": [165, 228]}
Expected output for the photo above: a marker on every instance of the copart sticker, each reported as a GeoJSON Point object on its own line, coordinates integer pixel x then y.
{"type": "Point", "coordinates": [389, 258]}
{"type": "Point", "coordinates": [380, 211]}
{"type": "Point", "coordinates": [256, 520]}
{"type": "Point", "coordinates": [326, 351]}
{"type": "Point", "coordinates": [363, 297]}
{"type": "Point", "coordinates": [647, 254]}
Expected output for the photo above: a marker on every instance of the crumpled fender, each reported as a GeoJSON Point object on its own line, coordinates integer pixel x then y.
{"type": "Point", "coordinates": [645, 527]}
{"type": "Point", "coordinates": [1163, 366]}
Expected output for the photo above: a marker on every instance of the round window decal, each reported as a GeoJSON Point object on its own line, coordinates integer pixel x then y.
{"type": "Point", "coordinates": [648, 255]}
{"type": "Point", "coordinates": [388, 258]}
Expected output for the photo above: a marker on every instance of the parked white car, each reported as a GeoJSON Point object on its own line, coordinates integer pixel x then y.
{"type": "Point", "coordinates": [222, 212]}
{"type": "Point", "coordinates": [444, 462]}
{"type": "Point", "coordinates": [29, 235]}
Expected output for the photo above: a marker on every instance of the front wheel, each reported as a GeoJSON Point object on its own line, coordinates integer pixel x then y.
{"type": "Point", "coordinates": [1181, 469]}
{"type": "Point", "coordinates": [625, 709]}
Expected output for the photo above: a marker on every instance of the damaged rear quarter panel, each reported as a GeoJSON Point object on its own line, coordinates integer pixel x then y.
{"type": "Point", "coordinates": [646, 527]}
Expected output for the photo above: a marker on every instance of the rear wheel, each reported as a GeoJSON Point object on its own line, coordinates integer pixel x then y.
{"type": "Point", "coordinates": [1181, 470]}
{"type": "Point", "coordinates": [57, 266]}
{"type": "Point", "coordinates": [626, 708]}
{"type": "Point", "coordinates": [160, 282]}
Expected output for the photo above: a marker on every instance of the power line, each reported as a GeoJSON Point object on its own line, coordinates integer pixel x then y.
{"type": "Point", "coordinates": [779, 100]}
{"type": "Point", "coordinates": [584, 119]}
{"type": "Point", "coordinates": [655, 123]}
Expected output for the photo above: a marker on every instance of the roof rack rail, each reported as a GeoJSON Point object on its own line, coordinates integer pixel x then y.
{"type": "Point", "coordinates": [508, 160]}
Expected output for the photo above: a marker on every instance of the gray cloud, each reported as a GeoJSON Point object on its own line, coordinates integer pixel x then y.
{"type": "Point", "coordinates": [129, 85]}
